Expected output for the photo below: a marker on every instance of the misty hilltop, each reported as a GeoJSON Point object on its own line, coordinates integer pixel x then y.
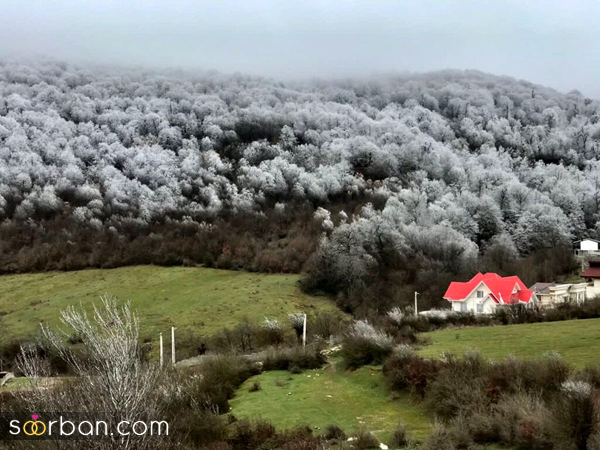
{"type": "Point", "coordinates": [438, 167]}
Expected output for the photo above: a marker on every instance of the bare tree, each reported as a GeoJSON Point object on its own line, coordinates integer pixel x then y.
{"type": "Point", "coordinates": [111, 377]}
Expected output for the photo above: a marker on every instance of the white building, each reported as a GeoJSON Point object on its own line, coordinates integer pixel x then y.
{"type": "Point", "coordinates": [586, 246]}
{"type": "Point", "coordinates": [552, 294]}
{"type": "Point", "coordinates": [592, 274]}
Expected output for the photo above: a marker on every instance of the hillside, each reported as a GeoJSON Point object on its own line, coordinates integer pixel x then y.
{"type": "Point", "coordinates": [577, 341]}
{"type": "Point", "coordinates": [382, 185]}
{"type": "Point", "coordinates": [195, 299]}
{"type": "Point", "coordinates": [322, 397]}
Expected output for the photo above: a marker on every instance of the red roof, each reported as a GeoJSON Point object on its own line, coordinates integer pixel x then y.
{"type": "Point", "coordinates": [593, 271]}
{"type": "Point", "coordinates": [502, 289]}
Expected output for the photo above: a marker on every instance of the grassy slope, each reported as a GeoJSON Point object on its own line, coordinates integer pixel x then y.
{"type": "Point", "coordinates": [198, 299]}
{"type": "Point", "coordinates": [329, 396]}
{"type": "Point", "coordinates": [578, 341]}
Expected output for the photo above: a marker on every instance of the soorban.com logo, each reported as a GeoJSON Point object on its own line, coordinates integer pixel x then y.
{"type": "Point", "coordinates": [34, 427]}
{"type": "Point", "coordinates": [86, 427]}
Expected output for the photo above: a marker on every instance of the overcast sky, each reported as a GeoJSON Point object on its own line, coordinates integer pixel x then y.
{"type": "Point", "coordinates": [556, 43]}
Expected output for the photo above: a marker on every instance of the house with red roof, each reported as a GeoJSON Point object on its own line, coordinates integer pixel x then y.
{"type": "Point", "coordinates": [482, 294]}
{"type": "Point", "coordinates": [592, 274]}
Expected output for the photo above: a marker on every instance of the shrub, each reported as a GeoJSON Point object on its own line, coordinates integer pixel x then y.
{"type": "Point", "coordinates": [452, 394]}
{"type": "Point", "coordinates": [594, 441]}
{"type": "Point", "coordinates": [519, 421]}
{"type": "Point", "coordinates": [399, 437]}
{"type": "Point", "coordinates": [540, 376]}
{"type": "Point", "coordinates": [297, 358]}
{"type": "Point", "coordinates": [217, 378]}
{"type": "Point", "coordinates": [189, 345]}
{"type": "Point", "coordinates": [254, 387]}
{"type": "Point", "coordinates": [271, 333]}
{"type": "Point", "coordinates": [404, 370]}
{"type": "Point", "coordinates": [240, 339]}
{"type": "Point", "coordinates": [448, 438]}
{"type": "Point", "coordinates": [590, 374]}
{"type": "Point", "coordinates": [299, 438]}
{"type": "Point", "coordinates": [483, 427]}
{"type": "Point", "coordinates": [220, 445]}
{"type": "Point", "coordinates": [363, 344]}
{"type": "Point", "coordinates": [459, 387]}
{"type": "Point", "coordinates": [262, 435]}
{"type": "Point", "coordinates": [363, 439]}
{"type": "Point", "coordinates": [334, 432]}
{"type": "Point", "coordinates": [297, 321]}
{"type": "Point", "coordinates": [327, 324]}
{"type": "Point", "coordinates": [200, 426]}
{"type": "Point", "coordinates": [576, 414]}
{"type": "Point", "coordinates": [396, 316]}
{"type": "Point", "coordinates": [247, 435]}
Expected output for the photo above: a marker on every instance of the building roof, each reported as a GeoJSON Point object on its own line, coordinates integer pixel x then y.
{"type": "Point", "coordinates": [501, 289]}
{"type": "Point", "coordinates": [586, 239]}
{"type": "Point", "coordinates": [541, 288]}
{"type": "Point", "coordinates": [593, 271]}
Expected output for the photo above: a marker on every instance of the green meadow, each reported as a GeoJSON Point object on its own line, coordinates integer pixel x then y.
{"type": "Point", "coordinates": [321, 397]}
{"type": "Point", "coordinates": [578, 341]}
{"type": "Point", "coordinates": [196, 299]}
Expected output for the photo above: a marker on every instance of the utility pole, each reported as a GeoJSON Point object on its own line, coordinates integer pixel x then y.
{"type": "Point", "coordinates": [161, 349]}
{"type": "Point", "coordinates": [304, 332]}
{"type": "Point", "coordinates": [173, 346]}
{"type": "Point", "coordinates": [416, 308]}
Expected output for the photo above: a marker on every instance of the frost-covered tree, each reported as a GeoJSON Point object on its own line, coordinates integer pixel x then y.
{"type": "Point", "coordinates": [471, 162]}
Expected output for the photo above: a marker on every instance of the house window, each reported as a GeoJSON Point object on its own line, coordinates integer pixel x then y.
{"type": "Point", "coordinates": [479, 294]}
{"type": "Point", "coordinates": [463, 307]}
{"type": "Point", "coordinates": [480, 308]}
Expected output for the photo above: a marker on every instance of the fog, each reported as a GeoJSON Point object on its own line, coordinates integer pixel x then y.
{"type": "Point", "coordinates": [547, 42]}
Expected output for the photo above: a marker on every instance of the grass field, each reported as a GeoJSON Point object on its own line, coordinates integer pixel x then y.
{"type": "Point", "coordinates": [326, 396]}
{"type": "Point", "coordinates": [20, 383]}
{"type": "Point", "coordinates": [198, 299]}
{"type": "Point", "coordinates": [578, 341]}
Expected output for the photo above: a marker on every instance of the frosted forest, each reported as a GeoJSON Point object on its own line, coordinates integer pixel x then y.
{"type": "Point", "coordinates": [371, 187]}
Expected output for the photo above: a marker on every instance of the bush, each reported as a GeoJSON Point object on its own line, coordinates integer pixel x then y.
{"type": "Point", "coordinates": [452, 394]}
{"type": "Point", "coordinates": [200, 426]}
{"type": "Point", "coordinates": [190, 345]}
{"type": "Point", "coordinates": [295, 358]}
{"type": "Point", "coordinates": [520, 421]}
{"type": "Point", "coordinates": [327, 324]}
{"type": "Point", "coordinates": [217, 378]}
{"type": "Point", "coordinates": [575, 414]}
{"type": "Point", "coordinates": [240, 339]}
{"type": "Point", "coordinates": [483, 427]}
{"type": "Point", "coordinates": [590, 374]}
{"type": "Point", "coordinates": [262, 435]}
{"type": "Point", "coordinates": [404, 370]}
{"type": "Point", "coordinates": [448, 438]}
{"type": "Point", "coordinates": [538, 376]}
{"type": "Point", "coordinates": [271, 333]}
{"type": "Point", "coordinates": [254, 387]}
{"type": "Point", "coordinates": [399, 437]}
{"type": "Point", "coordinates": [459, 387]}
{"type": "Point", "coordinates": [299, 438]}
{"type": "Point", "coordinates": [363, 439]}
{"type": "Point", "coordinates": [363, 344]}
{"type": "Point", "coordinates": [334, 432]}
{"type": "Point", "coordinates": [247, 435]}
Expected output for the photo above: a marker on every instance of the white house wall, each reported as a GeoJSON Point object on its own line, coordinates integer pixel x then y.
{"type": "Point", "coordinates": [545, 299]}
{"type": "Point", "coordinates": [594, 290]}
{"type": "Point", "coordinates": [472, 301]}
{"type": "Point", "coordinates": [588, 245]}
